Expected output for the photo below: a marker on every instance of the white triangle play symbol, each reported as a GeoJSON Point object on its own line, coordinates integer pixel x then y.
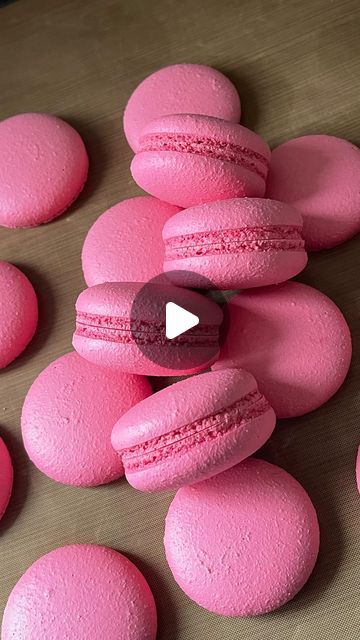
{"type": "Point", "coordinates": [178, 320]}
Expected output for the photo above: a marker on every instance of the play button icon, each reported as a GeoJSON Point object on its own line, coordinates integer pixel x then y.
{"type": "Point", "coordinates": [178, 330]}
{"type": "Point", "coordinates": [178, 320]}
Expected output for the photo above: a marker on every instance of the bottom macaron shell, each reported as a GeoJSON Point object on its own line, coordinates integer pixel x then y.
{"type": "Point", "coordinates": [6, 477]}
{"type": "Point", "coordinates": [234, 271]}
{"type": "Point", "coordinates": [130, 359]}
{"type": "Point", "coordinates": [244, 542]}
{"type": "Point", "coordinates": [81, 592]}
{"type": "Point", "coordinates": [207, 458]}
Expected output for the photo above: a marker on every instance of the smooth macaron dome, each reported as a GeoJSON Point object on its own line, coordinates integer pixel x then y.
{"type": "Point", "coordinates": [68, 415]}
{"type": "Point", "coordinates": [180, 88]}
{"type": "Point", "coordinates": [6, 477]}
{"type": "Point", "coordinates": [43, 168]}
{"type": "Point", "coordinates": [122, 325]}
{"type": "Point", "coordinates": [239, 243]}
{"type": "Point", "coordinates": [193, 430]}
{"type": "Point", "coordinates": [190, 159]}
{"type": "Point", "coordinates": [81, 592]}
{"type": "Point", "coordinates": [244, 542]}
{"type": "Point", "coordinates": [294, 340]}
{"type": "Point", "coordinates": [114, 249]}
{"type": "Point", "coordinates": [18, 312]}
{"type": "Point", "coordinates": [319, 175]}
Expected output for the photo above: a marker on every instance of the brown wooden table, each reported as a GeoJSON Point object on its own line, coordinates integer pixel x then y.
{"type": "Point", "coordinates": [297, 67]}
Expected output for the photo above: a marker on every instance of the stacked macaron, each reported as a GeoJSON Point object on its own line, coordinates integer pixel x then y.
{"type": "Point", "coordinates": [222, 213]}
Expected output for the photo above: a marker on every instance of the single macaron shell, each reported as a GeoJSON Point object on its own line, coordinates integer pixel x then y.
{"type": "Point", "coordinates": [191, 159]}
{"type": "Point", "coordinates": [294, 340]}
{"type": "Point", "coordinates": [193, 430]}
{"type": "Point", "coordinates": [319, 175]}
{"type": "Point", "coordinates": [244, 542]}
{"type": "Point", "coordinates": [114, 249]}
{"type": "Point", "coordinates": [236, 244]}
{"type": "Point", "coordinates": [180, 88]}
{"type": "Point", "coordinates": [18, 312]}
{"type": "Point", "coordinates": [68, 415]}
{"type": "Point", "coordinates": [43, 168]}
{"type": "Point", "coordinates": [122, 326]}
{"type": "Point", "coordinates": [6, 477]}
{"type": "Point", "coordinates": [81, 592]}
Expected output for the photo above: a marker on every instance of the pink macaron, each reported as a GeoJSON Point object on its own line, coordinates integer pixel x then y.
{"type": "Point", "coordinates": [123, 326]}
{"type": "Point", "coordinates": [18, 312]}
{"type": "Point", "coordinates": [6, 477]}
{"type": "Point", "coordinates": [358, 470]}
{"type": "Point", "coordinates": [68, 415]}
{"type": "Point", "coordinates": [294, 340]}
{"type": "Point", "coordinates": [43, 168]}
{"type": "Point", "coordinates": [193, 430]}
{"type": "Point", "coordinates": [114, 249]}
{"type": "Point", "coordinates": [180, 88]}
{"type": "Point", "coordinates": [236, 244]}
{"type": "Point", "coordinates": [319, 175]}
{"type": "Point", "coordinates": [244, 542]}
{"type": "Point", "coordinates": [81, 592]}
{"type": "Point", "coordinates": [191, 159]}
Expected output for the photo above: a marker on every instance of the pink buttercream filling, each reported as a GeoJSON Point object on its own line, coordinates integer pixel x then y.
{"type": "Point", "coordinates": [125, 331]}
{"type": "Point", "coordinates": [155, 450]}
{"type": "Point", "coordinates": [267, 238]}
{"type": "Point", "coordinates": [208, 147]}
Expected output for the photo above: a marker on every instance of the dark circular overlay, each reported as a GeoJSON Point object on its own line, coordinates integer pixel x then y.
{"type": "Point", "coordinates": [193, 350]}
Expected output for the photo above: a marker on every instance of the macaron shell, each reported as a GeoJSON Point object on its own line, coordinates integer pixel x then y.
{"type": "Point", "coordinates": [319, 175]}
{"type": "Point", "coordinates": [244, 542]}
{"type": "Point", "coordinates": [114, 249]}
{"type": "Point", "coordinates": [43, 168]}
{"type": "Point", "coordinates": [189, 179]}
{"type": "Point", "coordinates": [68, 415]}
{"type": "Point", "coordinates": [81, 592]}
{"type": "Point", "coordinates": [251, 266]}
{"type": "Point", "coordinates": [294, 340]}
{"type": "Point", "coordinates": [18, 312]}
{"type": "Point", "coordinates": [6, 477]}
{"type": "Point", "coordinates": [180, 88]}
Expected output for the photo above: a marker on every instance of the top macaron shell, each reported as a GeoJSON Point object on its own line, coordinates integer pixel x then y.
{"type": "Point", "coordinates": [294, 340]}
{"type": "Point", "coordinates": [319, 175]}
{"type": "Point", "coordinates": [180, 88]}
{"type": "Point", "coordinates": [114, 249]}
{"type": "Point", "coordinates": [6, 477]}
{"type": "Point", "coordinates": [244, 542]}
{"type": "Point", "coordinates": [18, 312]}
{"type": "Point", "coordinates": [68, 415]}
{"type": "Point", "coordinates": [193, 430]}
{"type": "Point", "coordinates": [81, 592]}
{"type": "Point", "coordinates": [191, 159]}
{"type": "Point", "coordinates": [240, 243]}
{"type": "Point", "coordinates": [43, 168]}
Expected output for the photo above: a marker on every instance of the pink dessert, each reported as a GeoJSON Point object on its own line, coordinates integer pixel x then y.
{"type": "Point", "coordinates": [43, 168]}
{"type": "Point", "coordinates": [236, 244]}
{"type": "Point", "coordinates": [81, 592]}
{"type": "Point", "coordinates": [114, 249]}
{"type": "Point", "coordinates": [6, 477]}
{"type": "Point", "coordinates": [180, 88]}
{"type": "Point", "coordinates": [122, 326]}
{"type": "Point", "coordinates": [319, 175]}
{"type": "Point", "coordinates": [294, 340]}
{"type": "Point", "coordinates": [244, 542]}
{"type": "Point", "coordinates": [193, 430]}
{"type": "Point", "coordinates": [18, 312]}
{"type": "Point", "coordinates": [68, 415]}
{"type": "Point", "coordinates": [191, 159]}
